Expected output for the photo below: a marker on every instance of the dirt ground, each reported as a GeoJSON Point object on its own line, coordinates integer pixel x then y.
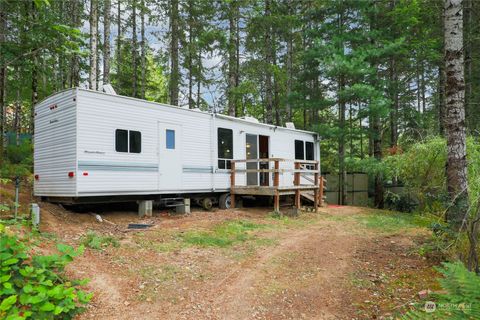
{"type": "Point", "coordinates": [328, 265]}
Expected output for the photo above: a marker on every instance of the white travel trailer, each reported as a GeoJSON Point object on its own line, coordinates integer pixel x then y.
{"type": "Point", "coordinates": [91, 146]}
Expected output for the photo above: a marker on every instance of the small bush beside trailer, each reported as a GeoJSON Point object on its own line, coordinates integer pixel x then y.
{"type": "Point", "coordinates": [92, 147]}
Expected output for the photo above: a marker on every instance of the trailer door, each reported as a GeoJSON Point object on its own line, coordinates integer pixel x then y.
{"type": "Point", "coordinates": [169, 157]}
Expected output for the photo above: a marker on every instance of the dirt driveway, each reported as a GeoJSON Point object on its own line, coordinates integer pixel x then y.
{"type": "Point", "coordinates": [245, 264]}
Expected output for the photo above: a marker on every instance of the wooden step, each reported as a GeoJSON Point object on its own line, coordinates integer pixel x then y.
{"type": "Point", "coordinates": [310, 197]}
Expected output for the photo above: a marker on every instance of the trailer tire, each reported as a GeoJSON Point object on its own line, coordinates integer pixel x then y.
{"type": "Point", "coordinates": [207, 204]}
{"type": "Point", "coordinates": [225, 201]}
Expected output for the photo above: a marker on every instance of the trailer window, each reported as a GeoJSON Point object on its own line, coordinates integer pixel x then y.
{"type": "Point", "coordinates": [309, 151]}
{"type": "Point", "coordinates": [299, 153]}
{"type": "Point", "coordinates": [225, 148]}
{"type": "Point", "coordinates": [121, 140]}
{"type": "Point", "coordinates": [170, 136]}
{"type": "Point", "coordinates": [135, 142]}
{"type": "Point", "coordinates": [128, 141]}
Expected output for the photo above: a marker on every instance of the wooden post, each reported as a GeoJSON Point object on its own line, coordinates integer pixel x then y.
{"type": "Point", "coordinates": [316, 179]}
{"type": "Point", "coordinates": [296, 182]}
{"type": "Point", "coordinates": [232, 184]}
{"type": "Point", "coordinates": [276, 202]}
{"type": "Point", "coordinates": [276, 183]}
{"type": "Point", "coordinates": [321, 191]}
{"type": "Point", "coordinates": [315, 202]}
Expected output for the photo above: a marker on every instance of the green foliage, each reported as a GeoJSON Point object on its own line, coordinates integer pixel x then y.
{"type": "Point", "coordinates": [400, 202]}
{"type": "Point", "coordinates": [94, 241]}
{"type": "Point", "coordinates": [18, 161]}
{"type": "Point", "coordinates": [223, 235]}
{"type": "Point", "coordinates": [34, 286]}
{"type": "Point", "coordinates": [459, 298]}
{"type": "Point", "coordinates": [421, 168]}
{"type": "Point", "coordinates": [155, 78]}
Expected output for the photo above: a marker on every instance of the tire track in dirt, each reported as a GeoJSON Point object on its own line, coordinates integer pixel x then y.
{"type": "Point", "coordinates": [325, 248]}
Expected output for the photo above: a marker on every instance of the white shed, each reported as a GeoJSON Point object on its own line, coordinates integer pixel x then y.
{"type": "Point", "coordinates": [93, 146]}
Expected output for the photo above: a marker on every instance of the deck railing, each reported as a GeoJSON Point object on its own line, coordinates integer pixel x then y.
{"type": "Point", "coordinates": [298, 169]}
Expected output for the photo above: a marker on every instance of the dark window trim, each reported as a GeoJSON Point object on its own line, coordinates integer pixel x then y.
{"type": "Point", "coordinates": [224, 163]}
{"type": "Point", "coordinates": [128, 141]}
{"type": "Point", "coordinates": [295, 149]}
{"type": "Point", "coordinates": [313, 150]}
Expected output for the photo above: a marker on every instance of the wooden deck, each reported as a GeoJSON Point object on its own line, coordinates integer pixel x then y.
{"type": "Point", "coordinates": [298, 170]}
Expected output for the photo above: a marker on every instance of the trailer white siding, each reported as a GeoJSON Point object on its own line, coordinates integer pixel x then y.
{"type": "Point", "coordinates": [118, 172]}
{"type": "Point", "coordinates": [55, 145]}
{"type": "Point", "coordinates": [82, 137]}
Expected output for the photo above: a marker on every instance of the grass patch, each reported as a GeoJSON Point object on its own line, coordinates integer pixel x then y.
{"type": "Point", "coordinates": [223, 235]}
{"type": "Point", "coordinates": [388, 221]}
{"type": "Point", "coordinates": [94, 241]}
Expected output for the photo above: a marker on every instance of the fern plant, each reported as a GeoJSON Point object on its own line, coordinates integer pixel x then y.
{"type": "Point", "coordinates": [459, 299]}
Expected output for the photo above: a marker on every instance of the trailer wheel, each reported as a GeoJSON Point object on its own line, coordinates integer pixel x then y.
{"type": "Point", "coordinates": [225, 201]}
{"type": "Point", "coordinates": [207, 203]}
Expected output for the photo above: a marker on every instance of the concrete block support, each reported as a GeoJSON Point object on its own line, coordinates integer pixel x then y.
{"type": "Point", "coordinates": [184, 208]}
{"type": "Point", "coordinates": [145, 208]}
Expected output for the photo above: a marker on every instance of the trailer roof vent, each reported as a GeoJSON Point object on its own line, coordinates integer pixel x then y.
{"type": "Point", "coordinates": [251, 119]}
{"type": "Point", "coordinates": [107, 88]}
{"type": "Point", "coordinates": [290, 125]}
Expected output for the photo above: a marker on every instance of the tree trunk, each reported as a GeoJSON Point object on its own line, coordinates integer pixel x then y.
{"type": "Point", "coordinates": [289, 64]}
{"type": "Point", "coordinates": [119, 45]}
{"type": "Point", "coordinates": [191, 46]}
{"type": "Point", "coordinates": [99, 48]}
{"type": "Point", "coordinates": [237, 61]}
{"type": "Point", "coordinates": [422, 79]}
{"type": "Point", "coordinates": [74, 80]}
{"type": "Point", "coordinates": [469, 110]}
{"type": "Point", "coordinates": [134, 47]}
{"type": "Point", "coordinates": [93, 44]}
{"type": "Point", "coordinates": [232, 59]}
{"type": "Point", "coordinates": [377, 153]}
{"type": "Point", "coordinates": [395, 104]}
{"type": "Point", "coordinates": [456, 168]}
{"type": "Point", "coordinates": [419, 86]}
{"type": "Point", "coordinates": [34, 98]}
{"type": "Point", "coordinates": [174, 70]}
{"type": "Point", "coordinates": [143, 53]}
{"type": "Point", "coordinates": [342, 173]}
{"type": "Point", "coordinates": [441, 99]}
{"type": "Point", "coordinates": [106, 41]}
{"type": "Point", "coordinates": [199, 78]}
{"type": "Point", "coordinates": [3, 78]}
{"type": "Point", "coordinates": [276, 94]}
{"type": "Point", "coordinates": [268, 65]}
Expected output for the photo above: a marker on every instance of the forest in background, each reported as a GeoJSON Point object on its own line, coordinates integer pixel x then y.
{"type": "Point", "coordinates": [369, 76]}
{"type": "Point", "coordinates": [391, 86]}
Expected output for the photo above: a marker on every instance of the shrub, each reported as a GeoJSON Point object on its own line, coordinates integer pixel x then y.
{"type": "Point", "coordinates": [35, 286]}
{"type": "Point", "coordinates": [460, 297]}
{"type": "Point", "coordinates": [421, 168]}
{"type": "Point", "coordinates": [400, 202]}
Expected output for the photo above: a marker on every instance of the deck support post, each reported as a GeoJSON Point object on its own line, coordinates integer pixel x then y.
{"type": "Point", "coordinates": [316, 191]}
{"type": "Point", "coordinates": [296, 182]}
{"type": "Point", "coordinates": [232, 184]}
{"type": "Point", "coordinates": [320, 196]}
{"type": "Point", "coordinates": [276, 183]}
